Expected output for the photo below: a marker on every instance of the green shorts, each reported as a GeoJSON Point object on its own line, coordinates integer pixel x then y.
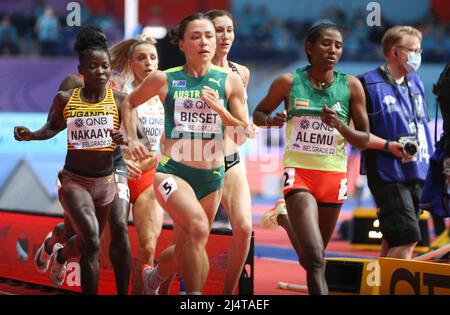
{"type": "Point", "coordinates": [202, 181]}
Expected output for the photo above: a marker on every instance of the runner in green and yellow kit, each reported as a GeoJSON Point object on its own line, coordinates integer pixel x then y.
{"type": "Point", "coordinates": [199, 100]}
{"type": "Point", "coordinates": [319, 102]}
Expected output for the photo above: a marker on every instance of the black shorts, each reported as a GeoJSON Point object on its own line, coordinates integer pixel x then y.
{"type": "Point", "coordinates": [231, 160]}
{"type": "Point", "coordinates": [398, 209]}
{"type": "Point", "coordinates": [121, 170]}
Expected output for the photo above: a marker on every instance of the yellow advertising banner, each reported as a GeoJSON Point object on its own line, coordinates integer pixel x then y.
{"type": "Point", "coordinates": [410, 277]}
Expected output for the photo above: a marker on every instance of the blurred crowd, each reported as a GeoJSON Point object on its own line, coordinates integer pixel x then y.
{"type": "Point", "coordinates": [45, 32]}
{"type": "Point", "coordinates": [259, 36]}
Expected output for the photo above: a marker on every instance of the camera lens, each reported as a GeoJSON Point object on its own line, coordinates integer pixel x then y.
{"type": "Point", "coordinates": [410, 148]}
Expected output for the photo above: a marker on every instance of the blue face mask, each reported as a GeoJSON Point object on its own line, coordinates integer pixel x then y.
{"type": "Point", "coordinates": [413, 63]}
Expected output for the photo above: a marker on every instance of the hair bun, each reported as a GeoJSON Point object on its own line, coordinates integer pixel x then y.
{"type": "Point", "coordinates": [90, 37]}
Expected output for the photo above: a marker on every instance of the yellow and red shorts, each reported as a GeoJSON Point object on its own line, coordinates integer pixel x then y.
{"type": "Point", "coordinates": [137, 186]}
{"type": "Point", "coordinates": [328, 188]}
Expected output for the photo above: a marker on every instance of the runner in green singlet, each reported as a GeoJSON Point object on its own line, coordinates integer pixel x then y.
{"type": "Point", "coordinates": [319, 103]}
{"type": "Point", "coordinates": [199, 100]}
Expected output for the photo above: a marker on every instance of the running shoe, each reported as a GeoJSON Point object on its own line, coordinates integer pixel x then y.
{"type": "Point", "coordinates": [58, 271]}
{"type": "Point", "coordinates": [269, 218]}
{"type": "Point", "coordinates": [42, 258]}
{"type": "Point", "coordinates": [149, 277]}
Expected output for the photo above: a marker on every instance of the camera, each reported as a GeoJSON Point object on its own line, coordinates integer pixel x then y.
{"type": "Point", "coordinates": [410, 148]}
{"type": "Point", "coordinates": [410, 145]}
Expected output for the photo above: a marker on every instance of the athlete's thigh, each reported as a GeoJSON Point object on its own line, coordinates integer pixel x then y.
{"type": "Point", "coordinates": [177, 197]}
{"type": "Point", "coordinates": [236, 196]}
{"type": "Point", "coordinates": [102, 215]}
{"type": "Point", "coordinates": [147, 214]}
{"type": "Point", "coordinates": [118, 215]}
{"type": "Point", "coordinates": [303, 216]}
{"type": "Point", "coordinates": [81, 210]}
{"type": "Point", "coordinates": [327, 221]}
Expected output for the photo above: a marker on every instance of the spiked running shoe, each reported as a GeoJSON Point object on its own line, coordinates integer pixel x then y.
{"type": "Point", "coordinates": [42, 258]}
{"type": "Point", "coordinates": [58, 271]}
{"type": "Point", "coordinates": [269, 218]}
{"type": "Point", "coordinates": [149, 279]}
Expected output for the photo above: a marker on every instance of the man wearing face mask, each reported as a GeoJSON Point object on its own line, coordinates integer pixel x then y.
{"type": "Point", "coordinates": [397, 158]}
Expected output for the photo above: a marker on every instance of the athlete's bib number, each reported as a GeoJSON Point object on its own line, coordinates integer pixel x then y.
{"type": "Point", "coordinates": [195, 115]}
{"type": "Point", "coordinates": [90, 132]}
{"type": "Point", "coordinates": [167, 187]}
{"type": "Point", "coordinates": [152, 120]}
{"type": "Point", "coordinates": [343, 189]}
{"type": "Point", "coordinates": [312, 136]}
{"type": "Point", "coordinates": [288, 178]}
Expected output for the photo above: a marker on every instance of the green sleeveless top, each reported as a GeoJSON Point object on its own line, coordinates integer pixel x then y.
{"type": "Point", "coordinates": [186, 115]}
{"type": "Point", "coordinates": [310, 143]}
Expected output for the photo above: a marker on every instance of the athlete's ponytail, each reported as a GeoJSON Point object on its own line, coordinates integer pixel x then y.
{"type": "Point", "coordinates": [122, 52]}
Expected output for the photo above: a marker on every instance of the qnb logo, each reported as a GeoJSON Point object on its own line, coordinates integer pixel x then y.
{"type": "Point", "coordinates": [73, 278]}
{"type": "Point", "coordinates": [79, 123]}
{"type": "Point", "coordinates": [188, 104]}
{"type": "Point", "coordinates": [304, 124]}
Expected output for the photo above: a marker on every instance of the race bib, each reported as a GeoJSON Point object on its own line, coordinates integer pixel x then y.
{"type": "Point", "coordinates": [195, 115]}
{"type": "Point", "coordinates": [90, 132]}
{"type": "Point", "coordinates": [152, 120]}
{"type": "Point", "coordinates": [167, 187]}
{"type": "Point", "coordinates": [312, 136]}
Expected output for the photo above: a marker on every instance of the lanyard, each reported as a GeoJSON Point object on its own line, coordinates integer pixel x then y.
{"type": "Point", "coordinates": [412, 100]}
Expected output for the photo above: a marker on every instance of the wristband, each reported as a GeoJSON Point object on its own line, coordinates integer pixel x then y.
{"type": "Point", "coordinates": [386, 146]}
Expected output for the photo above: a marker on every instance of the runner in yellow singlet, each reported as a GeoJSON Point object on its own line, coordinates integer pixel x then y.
{"type": "Point", "coordinates": [90, 114]}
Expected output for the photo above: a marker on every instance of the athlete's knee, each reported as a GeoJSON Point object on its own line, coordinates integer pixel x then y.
{"type": "Point", "coordinates": [243, 231]}
{"type": "Point", "coordinates": [120, 245]}
{"type": "Point", "coordinates": [199, 231]}
{"type": "Point", "coordinates": [119, 232]}
{"type": "Point", "coordinates": [58, 233]}
{"type": "Point", "coordinates": [312, 258]}
{"type": "Point", "coordinates": [91, 244]}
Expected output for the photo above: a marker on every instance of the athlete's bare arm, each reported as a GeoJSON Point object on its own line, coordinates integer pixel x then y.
{"type": "Point", "coordinates": [154, 84]}
{"type": "Point", "coordinates": [55, 121]}
{"type": "Point", "coordinates": [47, 131]}
{"type": "Point", "coordinates": [278, 92]}
{"type": "Point", "coordinates": [244, 71]}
